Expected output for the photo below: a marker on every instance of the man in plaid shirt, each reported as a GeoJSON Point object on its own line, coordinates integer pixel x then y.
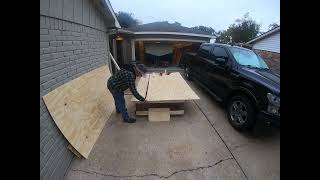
{"type": "Point", "coordinates": [117, 84]}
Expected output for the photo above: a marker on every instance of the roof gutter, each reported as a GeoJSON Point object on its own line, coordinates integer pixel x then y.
{"type": "Point", "coordinates": [175, 33]}
{"type": "Point", "coordinates": [119, 31]}
{"type": "Point", "coordinates": [168, 39]}
{"type": "Point", "coordinates": [106, 4]}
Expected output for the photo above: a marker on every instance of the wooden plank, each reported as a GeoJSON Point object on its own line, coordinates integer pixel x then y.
{"type": "Point", "coordinates": [159, 114]}
{"type": "Point", "coordinates": [171, 106]}
{"type": "Point", "coordinates": [146, 113]}
{"type": "Point", "coordinates": [141, 52]}
{"type": "Point", "coordinates": [114, 61]}
{"type": "Point", "coordinates": [81, 107]}
{"type": "Point", "coordinates": [170, 87]}
{"type": "Point", "coordinates": [161, 102]}
{"type": "Point", "coordinates": [142, 87]}
{"type": "Point", "coordinates": [71, 148]}
{"type": "Point", "coordinates": [177, 53]}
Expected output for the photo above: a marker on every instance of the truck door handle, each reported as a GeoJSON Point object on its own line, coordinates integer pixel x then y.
{"type": "Point", "coordinates": [236, 75]}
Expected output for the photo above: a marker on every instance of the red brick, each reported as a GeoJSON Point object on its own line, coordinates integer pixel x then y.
{"type": "Point", "coordinates": [272, 59]}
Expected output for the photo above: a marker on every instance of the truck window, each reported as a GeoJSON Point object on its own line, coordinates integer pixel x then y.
{"type": "Point", "coordinates": [204, 51]}
{"type": "Point", "coordinates": [219, 52]}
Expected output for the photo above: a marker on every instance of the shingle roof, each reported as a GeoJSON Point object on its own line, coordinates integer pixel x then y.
{"type": "Point", "coordinates": [164, 26]}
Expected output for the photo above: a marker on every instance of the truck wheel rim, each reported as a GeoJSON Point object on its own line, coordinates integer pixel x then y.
{"type": "Point", "coordinates": [186, 72]}
{"type": "Point", "coordinates": [238, 112]}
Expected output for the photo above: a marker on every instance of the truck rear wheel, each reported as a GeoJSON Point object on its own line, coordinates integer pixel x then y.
{"type": "Point", "coordinates": [187, 70]}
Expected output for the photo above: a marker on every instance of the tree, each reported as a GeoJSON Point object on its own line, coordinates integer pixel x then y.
{"type": "Point", "coordinates": [273, 25]}
{"type": "Point", "coordinates": [206, 29]}
{"type": "Point", "coordinates": [241, 31]}
{"type": "Point", "coordinates": [223, 37]}
{"type": "Point", "coordinates": [127, 20]}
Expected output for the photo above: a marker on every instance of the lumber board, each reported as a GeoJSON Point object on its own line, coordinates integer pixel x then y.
{"type": "Point", "coordinates": [141, 52]}
{"type": "Point", "coordinates": [81, 107]}
{"type": "Point", "coordinates": [145, 113]}
{"type": "Point", "coordinates": [146, 106]}
{"type": "Point", "coordinates": [159, 102]}
{"type": "Point", "coordinates": [170, 87]}
{"type": "Point", "coordinates": [159, 114]}
{"type": "Point", "coordinates": [142, 87]}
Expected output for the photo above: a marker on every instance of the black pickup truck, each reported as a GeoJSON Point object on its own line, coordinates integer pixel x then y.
{"type": "Point", "coordinates": [240, 79]}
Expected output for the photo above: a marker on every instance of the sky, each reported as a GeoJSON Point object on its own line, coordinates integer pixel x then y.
{"type": "Point", "coordinates": [218, 14]}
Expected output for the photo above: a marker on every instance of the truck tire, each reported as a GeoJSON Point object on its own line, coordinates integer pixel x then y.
{"type": "Point", "coordinates": [241, 113]}
{"type": "Point", "coordinates": [187, 73]}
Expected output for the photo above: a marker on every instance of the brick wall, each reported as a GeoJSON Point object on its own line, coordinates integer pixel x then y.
{"type": "Point", "coordinates": [67, 50]}
{"type": "Point", "coordinates": [272, 59]}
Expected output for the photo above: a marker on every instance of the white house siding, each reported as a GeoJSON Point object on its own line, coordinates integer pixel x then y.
{"type": "Point", "coordinates": [270, 43]}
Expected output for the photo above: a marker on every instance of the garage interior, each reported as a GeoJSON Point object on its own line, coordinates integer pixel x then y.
{"type": "Point", "coordinates": [156, 50]}
{"type": "Point", "coordinates": [162, 54]}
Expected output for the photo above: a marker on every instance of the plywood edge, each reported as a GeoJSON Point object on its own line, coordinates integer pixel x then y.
{"type": "Point", "coordinates": [194, 94]}
{"type": "Point", "coordinates": [75, 152]}
{"type": "Point", "coordinates": [142, 87]}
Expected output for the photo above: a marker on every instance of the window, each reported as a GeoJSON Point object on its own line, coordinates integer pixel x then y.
{"type": "Point", "coordinates": [248, 58]}
{"type": "Point", "coordinates": [204, 51]}
{"type": "Point", "coordinates": [219, 52]}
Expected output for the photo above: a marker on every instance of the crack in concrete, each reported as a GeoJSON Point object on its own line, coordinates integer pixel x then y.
{"type": "Point", "coordinates": [153, 174]}
{"type": "Point", "coordinates": [220, 138]}
{"type": "Point", "coordinates": [238, 146]}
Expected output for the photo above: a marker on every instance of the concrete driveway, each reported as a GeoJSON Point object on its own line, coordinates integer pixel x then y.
{"type": "Point", "coordinates": [199, 145]}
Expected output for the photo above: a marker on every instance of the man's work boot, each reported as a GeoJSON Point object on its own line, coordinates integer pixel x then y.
{"type": "Point", "coordinates": [130, 120]}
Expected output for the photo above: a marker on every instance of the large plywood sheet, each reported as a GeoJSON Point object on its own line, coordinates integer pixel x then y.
{"type": "Point", "coordinates": [81, 107]}
{"type": "Point", "coordinates": [142, 86]}
{"type": "Point", "coordinates": [170, 87]}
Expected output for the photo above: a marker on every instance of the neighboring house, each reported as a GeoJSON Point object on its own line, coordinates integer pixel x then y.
{"type": "Point", "coordinates": [157, 44]}
{"type": "Point", "coordinates": [267, 45]}
{"type": "Point", "coordinates": [73, 41]}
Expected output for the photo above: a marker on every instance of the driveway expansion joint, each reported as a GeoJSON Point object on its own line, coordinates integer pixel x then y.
{"type": "Point", "coordinates": [153, 174]}
{"type": "Point", "coordinates": [220, 138]}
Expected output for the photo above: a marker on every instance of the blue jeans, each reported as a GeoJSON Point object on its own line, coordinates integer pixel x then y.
{"type": "Point", "coordinates": [120, 104]}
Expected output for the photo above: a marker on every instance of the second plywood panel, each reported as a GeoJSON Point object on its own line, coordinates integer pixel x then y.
{"type": "Point", "coordinates": [170, 87]}
{"type": "Point", "coordinates": [81, 107]}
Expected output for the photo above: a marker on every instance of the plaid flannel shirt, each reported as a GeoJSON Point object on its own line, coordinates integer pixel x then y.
{"type": "Point", "coordinates": [121, 81]}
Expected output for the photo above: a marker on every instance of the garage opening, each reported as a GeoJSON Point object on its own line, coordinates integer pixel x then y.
{"type": "Point", "coordinates": [163, 54]}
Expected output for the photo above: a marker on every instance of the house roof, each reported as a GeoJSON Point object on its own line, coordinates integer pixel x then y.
{"type": "Point", "coordinates": [165, 27]}
{"type": "Point", "coordinates": [266, 34]}
{"type": "Point", "coordinates": [106, 6]}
